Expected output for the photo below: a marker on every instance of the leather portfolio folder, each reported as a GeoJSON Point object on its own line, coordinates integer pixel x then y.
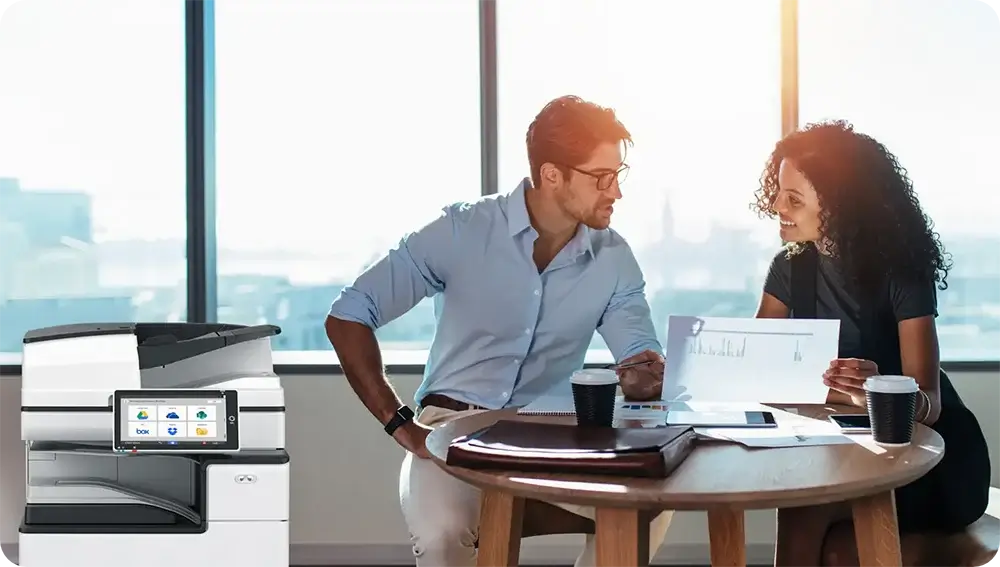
{"type": "Point", "coordinates": [525, 446]}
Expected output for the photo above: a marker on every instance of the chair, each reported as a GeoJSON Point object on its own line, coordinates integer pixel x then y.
{"type": "Point", "coordinates": [542, 518]}
{"type": "Point", "coordinates": [986, 531]}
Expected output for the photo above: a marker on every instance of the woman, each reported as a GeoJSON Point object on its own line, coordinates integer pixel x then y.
{"type": "Point", "coordinates": [860, 249]}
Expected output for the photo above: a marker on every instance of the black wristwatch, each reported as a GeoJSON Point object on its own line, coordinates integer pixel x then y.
{"type": "Point", "coordinates": [403, 415]}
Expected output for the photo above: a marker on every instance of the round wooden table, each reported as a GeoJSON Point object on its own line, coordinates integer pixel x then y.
{"type": "Point", "coordinates": [722, 478]}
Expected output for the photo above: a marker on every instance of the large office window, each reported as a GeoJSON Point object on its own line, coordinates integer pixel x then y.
{"type": "Point", "coordinates": [342, 125]}
{"type": "Point", "coordinates": [922, 77]}
{"type": "Point", "coordinates": [92, 164]}
{"type": "Point", "coordinates": [700, 94]}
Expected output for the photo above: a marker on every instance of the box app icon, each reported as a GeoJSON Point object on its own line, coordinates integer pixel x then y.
{"type": "Point", "coordinates": [140, 429]}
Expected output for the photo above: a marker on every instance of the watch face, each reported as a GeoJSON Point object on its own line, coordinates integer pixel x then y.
{"type": "Point", "coordinates": [403, 415]}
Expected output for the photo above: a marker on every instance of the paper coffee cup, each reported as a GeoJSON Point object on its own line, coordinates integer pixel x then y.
{"type": "Point", "coordinates": [892, 406]}
{"type": "Point", "coordinates": [594, 393]}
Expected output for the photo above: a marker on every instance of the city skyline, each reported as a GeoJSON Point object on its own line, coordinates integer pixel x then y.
{"type": "Point", "coordinates": [146, 281]}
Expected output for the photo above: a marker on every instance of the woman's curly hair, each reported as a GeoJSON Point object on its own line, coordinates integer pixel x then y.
{"type": "Point", "coordinates": [871, 219]}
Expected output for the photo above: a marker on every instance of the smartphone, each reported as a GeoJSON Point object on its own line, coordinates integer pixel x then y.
{"type": "Point", "coordinates": [852, 422]}
{"type": "Point", "coordinates": [721, 418]}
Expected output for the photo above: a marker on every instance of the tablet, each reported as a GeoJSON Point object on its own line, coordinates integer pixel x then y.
{"type": "Point", "coordinates": [176, 421]}
{"type": "Point", "coordinates": [721, 418]}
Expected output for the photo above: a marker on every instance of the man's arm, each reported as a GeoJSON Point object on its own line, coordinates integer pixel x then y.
{"type": "Point", "coordinates": [627, 326]}
{"type": "Point", "coordinates": [415, 269]}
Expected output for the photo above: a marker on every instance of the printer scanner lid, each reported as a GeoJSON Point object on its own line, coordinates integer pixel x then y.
{"type": "Point", "coordinates": [160, 344]}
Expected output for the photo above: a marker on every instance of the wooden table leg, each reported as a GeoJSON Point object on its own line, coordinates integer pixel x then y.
{"type": "Point", "coordinates": [876, 530]}
{"type": "Point", "coordinates": [622, 538]}
{"type": "Point", "coordinates": [501, 516]}
{"type": "Point", "coordinates": [727, 537]}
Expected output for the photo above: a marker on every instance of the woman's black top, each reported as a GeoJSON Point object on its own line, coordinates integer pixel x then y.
{"type": "Point", "coordinates": [955, 493]}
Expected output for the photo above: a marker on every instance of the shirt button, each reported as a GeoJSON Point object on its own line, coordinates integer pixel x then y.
{"type": "Point", "coordinates": [527, 331]}
{"type": "Point", "coordinates": [538, 292]}
{"type": "Point", "coordinates": [517, 361]}
{"type": "Point", "coordinates": [505, 394]}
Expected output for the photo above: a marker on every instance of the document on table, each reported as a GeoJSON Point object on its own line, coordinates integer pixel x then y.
{"type": "Point", "coordinates": [800, 435]}
{"type": "Point", "coordinates": [749, 360]}
{"type": "Point", "coordinates": [792, 430]}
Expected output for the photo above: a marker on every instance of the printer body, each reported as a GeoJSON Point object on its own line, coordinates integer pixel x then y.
{"type": "Point", "coordinates": [90, 503]}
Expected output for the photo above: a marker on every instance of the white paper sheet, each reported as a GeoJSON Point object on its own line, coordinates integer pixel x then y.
{"type": "Point", "coordinates": [781, 436]}
{"type": "Point", "coordinates": [792, 430]}
{"type": "Point", "coordinates": [749, 360]}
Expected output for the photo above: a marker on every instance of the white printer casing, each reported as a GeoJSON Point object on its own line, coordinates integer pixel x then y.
{"type": "Point", "coordinates": [87, 505]}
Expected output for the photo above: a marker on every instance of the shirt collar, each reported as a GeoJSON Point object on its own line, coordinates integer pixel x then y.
{"type": "Point", "coordinates": [582, 242]}
{"type": "Point", "coordinates": [517, 209]}
{"type": "Point", "coordinates": [518, 220]}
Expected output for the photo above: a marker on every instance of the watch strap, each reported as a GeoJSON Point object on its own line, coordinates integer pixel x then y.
{"type": "Point", "coordinates": [403, 415]}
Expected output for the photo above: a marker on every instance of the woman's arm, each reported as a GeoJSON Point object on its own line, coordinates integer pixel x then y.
{"type": "Point", "coordinates": [915, 307]}
{"type": "Point", "coordinates": [770, 307]}
{"type": "Point", "coordinates": [921, 358]}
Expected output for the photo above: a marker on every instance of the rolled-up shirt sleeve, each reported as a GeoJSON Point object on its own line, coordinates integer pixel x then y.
{"type": "Point", "coordinates": [414, 269]}
{"type": "Point", "coordinates": [627, 325]}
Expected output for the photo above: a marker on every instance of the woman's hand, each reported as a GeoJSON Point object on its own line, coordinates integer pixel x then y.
{"type": "Point", "coordinates": [848, 375]}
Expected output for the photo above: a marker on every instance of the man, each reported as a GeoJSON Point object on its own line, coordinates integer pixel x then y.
{"type": "Point", "coordinates": [523, 280]}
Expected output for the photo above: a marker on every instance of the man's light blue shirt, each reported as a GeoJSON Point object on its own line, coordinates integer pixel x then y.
{"type": "Point", "coordinates": [505, 333]}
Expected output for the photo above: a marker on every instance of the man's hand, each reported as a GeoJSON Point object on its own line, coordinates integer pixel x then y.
{"type": "Point", "coordinates": [643, 382]}
{"type": "Point", "coordinates": [412, 436]}
{"type": "Point", "coordinates": [848, 375]}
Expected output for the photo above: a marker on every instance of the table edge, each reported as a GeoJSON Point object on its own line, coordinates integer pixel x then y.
{"type": "Point", "coordinates": [486, 479]}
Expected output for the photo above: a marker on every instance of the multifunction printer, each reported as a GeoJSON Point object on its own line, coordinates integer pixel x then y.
{"type": "Point", "coordinates": [154, 444]}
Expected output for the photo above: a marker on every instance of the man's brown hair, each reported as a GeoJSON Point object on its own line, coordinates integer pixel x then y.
{"type": "Point", "coordinates": [567, 131]}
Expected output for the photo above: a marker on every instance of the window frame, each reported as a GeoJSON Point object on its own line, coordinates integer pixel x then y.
{"type": "Point", "coordinates": [202, 299]}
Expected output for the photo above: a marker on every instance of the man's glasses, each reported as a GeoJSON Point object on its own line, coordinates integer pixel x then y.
{"type": "Point", "coordinates": [605, 179]}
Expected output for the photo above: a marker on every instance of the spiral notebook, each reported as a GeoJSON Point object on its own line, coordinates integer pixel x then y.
{"type": "Point", "coordinates": [549, 404]}
{"type": "Point", "coordinates": [562, 405]}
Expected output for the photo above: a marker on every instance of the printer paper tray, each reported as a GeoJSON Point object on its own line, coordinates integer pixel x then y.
{"type": "Point", "coordinates": [139, 497]}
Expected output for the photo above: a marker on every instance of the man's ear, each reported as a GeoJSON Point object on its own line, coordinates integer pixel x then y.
{"type": "Point", "coordinates": [550, 174]}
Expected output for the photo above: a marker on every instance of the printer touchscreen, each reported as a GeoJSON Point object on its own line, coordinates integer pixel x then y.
{"type": "Point", "coordinates": [202, 420]}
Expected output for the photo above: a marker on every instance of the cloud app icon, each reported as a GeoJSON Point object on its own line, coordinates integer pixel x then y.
{"type": "Point", "coordinates": [201, 431]}
{"type": "Point", "coordinates": [201, 414]}
{"type": "Point", "coordinates": [172, 430]}
{"type": "Point", "coordinates": [173, 415]}
{"type": "Point", "coordinates": [142, 415]}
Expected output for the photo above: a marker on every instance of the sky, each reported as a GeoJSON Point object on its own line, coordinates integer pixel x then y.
{"type": "Point", "coordinates": [343, 124]}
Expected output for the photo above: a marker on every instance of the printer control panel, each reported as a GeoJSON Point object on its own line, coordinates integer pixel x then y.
{"type": "Point", "coordinates": [176, 421]}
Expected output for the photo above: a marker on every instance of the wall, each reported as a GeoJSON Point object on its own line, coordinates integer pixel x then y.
{"type": "Point", "coordinates": [345, 471]}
